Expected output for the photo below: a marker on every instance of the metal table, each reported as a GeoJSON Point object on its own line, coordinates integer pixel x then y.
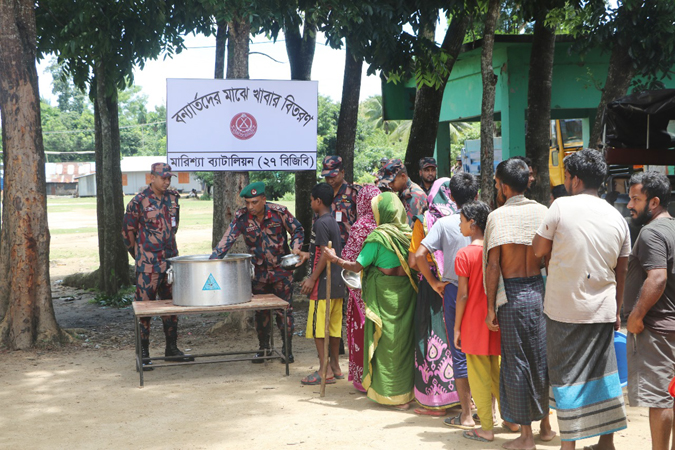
{"type": "Point", "coordinates": [167, 308]}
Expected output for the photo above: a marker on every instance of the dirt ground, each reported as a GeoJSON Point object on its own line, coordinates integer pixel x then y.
{"type": "Point", "coordinates": [86, 395]}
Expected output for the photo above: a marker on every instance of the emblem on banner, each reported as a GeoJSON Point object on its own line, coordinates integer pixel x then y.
{"type": "Point", "coordinates": [243, 126]}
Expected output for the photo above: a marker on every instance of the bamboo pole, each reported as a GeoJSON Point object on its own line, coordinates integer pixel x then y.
{"type": "Point", "coordinates": [326, 334]}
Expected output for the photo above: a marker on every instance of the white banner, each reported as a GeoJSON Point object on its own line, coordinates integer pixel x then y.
{"type": "Point", "coordinates": [241, 125]}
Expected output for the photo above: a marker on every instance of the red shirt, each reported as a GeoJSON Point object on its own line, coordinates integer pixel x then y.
{"type": "Point", "coordinates": [476, 338]}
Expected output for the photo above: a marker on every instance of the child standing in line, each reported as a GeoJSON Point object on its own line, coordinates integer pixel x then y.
{"type": "Point", "coordinates": [481, 346]}
{"type": "Point", "coordinates": [324, 230]}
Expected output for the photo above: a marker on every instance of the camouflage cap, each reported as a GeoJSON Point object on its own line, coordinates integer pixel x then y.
{"type": "Point", "coordinates": [253, 190]}
{"type": "Point", "coordinates": [381, 185]}
{"type": "Point", "coordinates": [161, 169]}
{"type": "Point", "coordinates": [427, 162]}
{"type": "Point", "coordinates": [389, 172]}
{"type": "Point", "coordinates": [332, 164]}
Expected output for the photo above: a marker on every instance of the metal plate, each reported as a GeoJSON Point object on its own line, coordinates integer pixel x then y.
{"type": "Point", "coordinates": [352, 279]}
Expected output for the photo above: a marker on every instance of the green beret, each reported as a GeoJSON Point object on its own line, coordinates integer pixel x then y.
{"type": "Point", "coordinates": [253, 190]}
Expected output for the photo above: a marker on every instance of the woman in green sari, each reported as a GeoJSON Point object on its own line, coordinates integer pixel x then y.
{"type": "Point", "coordinates": [389, 293]}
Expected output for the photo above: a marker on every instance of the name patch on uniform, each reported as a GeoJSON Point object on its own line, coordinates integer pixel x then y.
{"type": "Point", "coordinates": [211, 284]}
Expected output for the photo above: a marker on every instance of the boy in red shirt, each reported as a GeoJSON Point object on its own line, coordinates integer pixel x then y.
{"type": "Point", "coordinates": [481, 346]}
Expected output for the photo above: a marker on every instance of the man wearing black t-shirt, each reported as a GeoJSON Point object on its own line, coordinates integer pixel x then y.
{"type": "Point", "coordinates": [649, 299]}
{"type": "Point", "coordinates": [324, 231]}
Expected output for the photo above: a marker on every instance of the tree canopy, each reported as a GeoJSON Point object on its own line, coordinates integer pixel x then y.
{"type": "Point", "coordinates": [119, 35]}
{"type": "Point", "coordinates": [644, 27]}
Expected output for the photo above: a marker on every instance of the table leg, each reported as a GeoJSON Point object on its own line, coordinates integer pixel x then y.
{"type": "Point", "coordinates": [271, 331]}
{"type": "Point", "coordinates": [139, 352]}
{"type": "Point", "coordinates": [286, 340]}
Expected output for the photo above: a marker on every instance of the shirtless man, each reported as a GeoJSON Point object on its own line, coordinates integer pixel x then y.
{"type": "Point", "coordinates": [531, 179]}
{"type": "Point", "coordinates": [517, 308]}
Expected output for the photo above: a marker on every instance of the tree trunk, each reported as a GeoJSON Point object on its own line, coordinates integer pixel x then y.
{"type": "Point", "coordinates": [428, 101]}
{"type": "Point", "coordinates": [26, 306]}
{"type": "Point", "coordinates": [539, 106]}
{"type": "Point", "coordinates": [300, 49]}
{"type": "Point", "coordinates": [221, 43]}
{"type": "Point", "coordinates": [228, 185]}
{"type": "Point", "coordinates": [113, 256]}
{"type": "Point", "coordinates": [349, 112]}
{"type": "Point", "coordinates": [487, 114]}
{"type": "Point", "coordinates": [619, 75]}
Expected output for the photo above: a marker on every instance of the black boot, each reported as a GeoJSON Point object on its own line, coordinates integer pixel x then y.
{"type": "Point", "coordinates": [172, 348]}
{"type": "Point", "coordinates": [291, 358]}
{"type": "Point", "coordinates": [263, 343]}
{"type": "Point", "coordinates": [261, 353]}
{"type": "Point", "coordinates": [145, 353]}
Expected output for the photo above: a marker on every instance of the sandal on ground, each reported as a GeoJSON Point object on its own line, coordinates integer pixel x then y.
{"type": "Point", "coordinates": [314, 379]}
{"type": "Point", "coordinates": [456, 422]}
{"type": "Point", "coordinates": [339, 376]}
{"type": "Point", "coordinates": [402, 407]}
{"type": "Point", "coordinates": [430, 412]}
{"type": "Point", "coordinates": [471, 434]}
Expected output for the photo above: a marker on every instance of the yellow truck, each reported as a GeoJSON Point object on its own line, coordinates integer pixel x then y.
{"type": "Point", "coordinates": [565, 138]}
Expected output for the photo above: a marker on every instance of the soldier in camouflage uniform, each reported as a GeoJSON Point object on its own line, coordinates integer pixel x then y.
{"type": "Point", "coordinates": [149, 233]}
{"type": "Point", "coordinates": [394, 177]}
{"type": "Point", "coordinates": [343, 208]}
{"type": "Point", "coordinates": [264, 227]}
{"type": "Point", "coordinates": [428, 168]}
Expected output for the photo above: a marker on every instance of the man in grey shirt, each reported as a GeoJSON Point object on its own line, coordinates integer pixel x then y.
{"type": "Point", "coordinates": [649, 299]}
{"type": "Point", "coordinates": [446, 237]}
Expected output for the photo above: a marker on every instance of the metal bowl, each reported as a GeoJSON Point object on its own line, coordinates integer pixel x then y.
{"type": "Point", "coordinates": [289, 261]}
{"type": "Point", "coordinates": [352, 279]}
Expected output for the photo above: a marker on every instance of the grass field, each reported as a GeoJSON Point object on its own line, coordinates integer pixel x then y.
{"type": "Point", "coordinates": [73, 228]}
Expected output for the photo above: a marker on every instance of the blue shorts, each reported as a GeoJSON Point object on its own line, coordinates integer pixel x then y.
{"type": "Point", "coordinates": [449, 308]}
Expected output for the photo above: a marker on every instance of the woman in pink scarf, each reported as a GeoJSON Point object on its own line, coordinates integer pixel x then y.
{"type": "Point", "coordinates": [435, 389]}
{"type": "Point", "coordinates": [364, 225]}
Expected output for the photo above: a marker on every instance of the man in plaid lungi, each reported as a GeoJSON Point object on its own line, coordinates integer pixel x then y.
{"type": "Point", "coordinates": [515, 292]}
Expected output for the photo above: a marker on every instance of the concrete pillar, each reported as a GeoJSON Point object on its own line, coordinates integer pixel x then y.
{"type": "Point", "coordinates": [442, 151]}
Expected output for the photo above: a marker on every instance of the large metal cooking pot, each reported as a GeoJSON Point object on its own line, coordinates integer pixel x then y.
{"type": "Point", "coordinates": [200, 281]}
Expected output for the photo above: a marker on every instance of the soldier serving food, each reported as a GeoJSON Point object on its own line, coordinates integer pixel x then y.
{"type": "Point", "coordinates": [264, 227]}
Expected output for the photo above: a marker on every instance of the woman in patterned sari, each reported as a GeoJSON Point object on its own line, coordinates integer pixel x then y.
{"type": "Point", "coordinates": [389, 293]}
{"type": "Point", "coordinates": [356, 310]}
{"type": "Point", "coordinates": [434, 381]}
